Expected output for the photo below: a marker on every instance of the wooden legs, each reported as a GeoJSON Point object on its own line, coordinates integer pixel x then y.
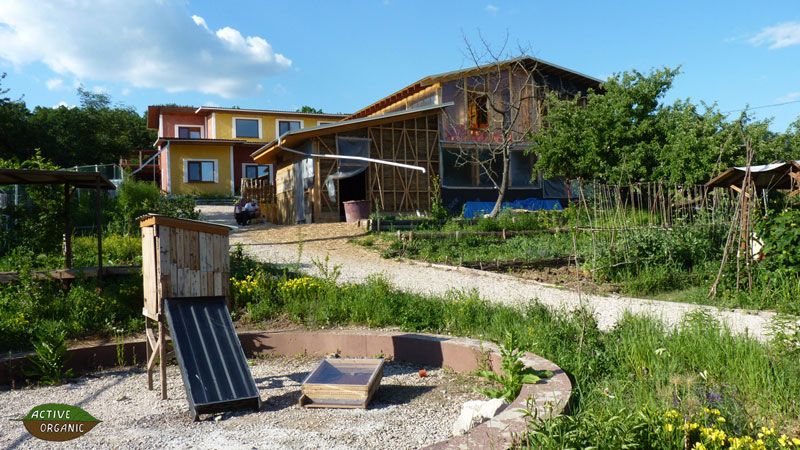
{"type": "Point", "coordinates": [157, 350]}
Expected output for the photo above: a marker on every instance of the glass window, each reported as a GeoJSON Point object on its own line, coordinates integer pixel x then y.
{"type": "Point", "coordinates": [255, 171]}
{"type": "Point", "coordinates": [452, 174]}
{"type": "Point", "coordinates": [522, 174]}
{"type": "Point", "coordinates": [491, 169]}
{"type": "Point", "coordinates": [287, 125]}
{"type": "Point", "coordinates": [247, 128]}
{"type": "Point", "coordinates": [478, 109]}
{"type": "Point", "coordinates": [189, 132]}
{"type": "Point", "coordinates": [200, 170]}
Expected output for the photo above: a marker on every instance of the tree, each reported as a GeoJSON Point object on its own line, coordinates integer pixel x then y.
{"type": "Point", "coordinates": [309, 109]}
{"type": "Point", "coordinates": [498, 111]}
{"type": "Point", "coordinates": [625, 134]}
{"type": "Point", "coordinates": [15, 136]}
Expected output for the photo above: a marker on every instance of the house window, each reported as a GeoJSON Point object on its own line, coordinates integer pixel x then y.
{"type": "Point", "coordinates": [200, 171]}
{"type": "Point", "coordinates": [521, 168]}
{"type": "Point", "coordinates": [324, 122]}
{"type": "Point", "coordinates": [185, 132]}
{"type": "Point", "coordinates": [256, 171]}
{"type": "Point", "coordinates": [478, 110]}
{"type": "Point", "coordinates": [247, 128]}
{"type": "Point", "coordinates": [453, 173]}
{"type": "Point", "coordinates": [285, 126]}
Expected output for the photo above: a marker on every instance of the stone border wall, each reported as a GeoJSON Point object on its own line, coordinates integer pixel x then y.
{"type": "Point", "coordinates": [548, 397]}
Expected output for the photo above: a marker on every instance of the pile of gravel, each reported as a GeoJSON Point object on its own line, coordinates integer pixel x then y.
{"type": "Point", "coordinates": [407, 411]}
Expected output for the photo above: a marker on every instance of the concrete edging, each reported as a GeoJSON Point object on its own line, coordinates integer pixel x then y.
{"type": "Point", "coordinates": [547, 397]}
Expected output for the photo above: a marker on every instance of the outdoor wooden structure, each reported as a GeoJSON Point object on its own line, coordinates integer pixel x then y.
{"type": "Point", "coordinates": [342, 383]}
{"type": "Point", "coordinates": [71, 181]}
{"type": "Point", "coordinates": [263, 192]}
{"type": "Point", "coordinates": [180, 258]}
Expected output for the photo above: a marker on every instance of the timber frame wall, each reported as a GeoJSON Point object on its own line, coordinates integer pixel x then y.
{"type": "Point", "coordinates": [414, 141]}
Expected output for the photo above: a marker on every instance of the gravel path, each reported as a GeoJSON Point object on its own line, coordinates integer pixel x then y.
{"type": "Point", "coordinates": [407, 412]}
{"type": "Point", "coordinates": [279, 244]}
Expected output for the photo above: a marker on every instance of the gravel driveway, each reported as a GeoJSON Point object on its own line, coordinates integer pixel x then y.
{"type": "Point", "coordinates": [279, 244]}
{"type": "Point", "coordinates": [407, 412]}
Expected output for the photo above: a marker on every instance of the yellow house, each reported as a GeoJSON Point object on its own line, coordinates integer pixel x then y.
{"type": "Point", "coordinates": [206, 150]}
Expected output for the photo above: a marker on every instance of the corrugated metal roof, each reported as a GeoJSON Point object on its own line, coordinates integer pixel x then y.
{"type": "Point", "coordinates": [78, 179]}
{"type": "Point", "coordinates": [213, 366]}
{"type": "Point", "coordinates": [769, 176]}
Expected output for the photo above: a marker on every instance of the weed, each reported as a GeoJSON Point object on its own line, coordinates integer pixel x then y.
{"type": "Point", "coordinates": [515, 374]}
{"type": "Point", "coordinates": [50, 358]}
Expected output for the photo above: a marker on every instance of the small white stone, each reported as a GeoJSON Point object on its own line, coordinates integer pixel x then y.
{"type": "Point", "coordinates": [491, 407]}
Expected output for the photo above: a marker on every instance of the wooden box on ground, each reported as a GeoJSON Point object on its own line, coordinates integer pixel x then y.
{"type": "Point", "coordinates": [342, 383]}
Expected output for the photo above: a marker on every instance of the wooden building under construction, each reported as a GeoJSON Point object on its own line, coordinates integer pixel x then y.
{"type": "Point", "coordinates": [390, 152]}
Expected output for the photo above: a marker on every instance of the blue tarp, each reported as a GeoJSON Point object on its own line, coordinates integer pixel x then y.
{"type": "Point", "coordinates": [478, 209]}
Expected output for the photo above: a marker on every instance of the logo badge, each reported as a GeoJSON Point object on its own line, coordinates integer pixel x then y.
{"type": "Point", "coordinates": [58, 422]}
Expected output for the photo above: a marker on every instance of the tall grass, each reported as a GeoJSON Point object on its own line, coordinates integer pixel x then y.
{"type": "Point", "coordinates": [638, 366]}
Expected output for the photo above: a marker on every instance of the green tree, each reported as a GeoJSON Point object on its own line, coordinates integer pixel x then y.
{"type": "Point", "coordinates": [15, 136]}
{"type": "Point", "coordinates": [309, 109]}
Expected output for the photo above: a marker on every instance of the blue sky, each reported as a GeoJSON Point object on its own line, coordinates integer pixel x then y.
{"type": "Point", "coordinates": [343, 55]}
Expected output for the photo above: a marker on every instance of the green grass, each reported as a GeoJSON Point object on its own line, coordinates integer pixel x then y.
{"type": "Point", "coordinates": [640, 366]}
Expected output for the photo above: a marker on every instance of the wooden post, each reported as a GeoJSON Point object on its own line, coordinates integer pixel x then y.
{"type": "Point", "coordinates": [148, 351]}
{"type": "Point", "coordinates": [99, 224]}
{"type": "Point", "coordinates": [162, 355]}
{"type": "Point", "coordinates": [67, 229]}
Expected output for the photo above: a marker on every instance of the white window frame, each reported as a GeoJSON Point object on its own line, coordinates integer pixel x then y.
{"type": "Point", "coordinates": [278, 125]}
{"type": "Point", "coordinates": [186, 162]}
{"type": "Point", "coordinates": [202, 129]}
{"type": "Point", "coordinates": [271, 170]}
{"type": "Point", "coordinates": [233, 127]}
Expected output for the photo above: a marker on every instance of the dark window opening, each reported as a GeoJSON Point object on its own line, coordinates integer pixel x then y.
{"type": "Point", "coordinates": [478, 109]}
{"type": "Point", "coordinates": [285, 126]}
{"type": "Point", "coordinates": [189, 132]}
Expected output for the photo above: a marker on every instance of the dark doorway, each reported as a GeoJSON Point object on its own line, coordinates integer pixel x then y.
{"type": "Point", "coordinates": [352, 188]}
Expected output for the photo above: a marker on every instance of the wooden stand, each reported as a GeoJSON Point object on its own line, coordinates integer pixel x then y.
{"type": "Point", "coordinates": [180, 258]}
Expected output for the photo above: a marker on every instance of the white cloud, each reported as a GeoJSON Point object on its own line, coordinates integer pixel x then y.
{"type": "Point", "coordinates": [54, 84]}
{"type": "Point", "coordinates": [136, 42]}
{"type": "Point", "coordinates": [492, 9]}
{"type": "Point", "coordinates": [125, 91]}
{"type": "Point", "coordinates": [791, 97]}
{"type": "Point", "coordinates": [781, 35]}
{"type": "Point", "coordinates": [64, 104]}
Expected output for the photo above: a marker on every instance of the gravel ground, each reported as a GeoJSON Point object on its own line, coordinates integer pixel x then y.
{"type": "Point", "coordinates": [279, 244]}
{"type": "Point", "coordinates": [407, 412]}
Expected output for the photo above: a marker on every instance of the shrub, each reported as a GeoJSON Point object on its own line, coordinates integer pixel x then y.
{"type": "Point", "coordinates": [137, 198]}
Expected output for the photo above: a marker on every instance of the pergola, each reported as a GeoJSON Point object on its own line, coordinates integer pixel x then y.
{"type": "Point", "coordinates": [71, 181]}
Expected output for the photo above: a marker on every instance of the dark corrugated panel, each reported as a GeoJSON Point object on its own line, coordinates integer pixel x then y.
{"type": "Point", "coordinates": [213, 366]}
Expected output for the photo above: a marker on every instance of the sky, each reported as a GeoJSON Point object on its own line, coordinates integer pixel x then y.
{"type": "Point", "coordinates": [343, 55]}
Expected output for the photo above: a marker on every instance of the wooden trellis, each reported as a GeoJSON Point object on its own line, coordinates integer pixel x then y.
{"type": "Point", "coordinates": [395, 189]}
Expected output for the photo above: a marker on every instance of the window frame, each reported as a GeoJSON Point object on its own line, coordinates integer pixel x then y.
{"type": "Point", "coordinates": [214, 171]}
{"type": "Point", "coordinates": [278, 125]}
{"type": "Point", "coordinates": [269, 167]}
{"type": "Point", "coordinates": [178, 126]}
{"type": "Point", "coordinates": [472, 97]}
{"type": "Point", "coordinates": [256, 119]}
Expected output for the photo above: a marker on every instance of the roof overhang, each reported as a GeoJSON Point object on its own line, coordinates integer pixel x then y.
{"type": "Point", "coordinates": [163, 140]}
{"type": "Point", "coordinates": [294, 137]}
{"type": "Point", "coordinates": [768, 176]}
{"type": "Point", "coordinates": [90, 180]}
{"type": "Point", "coordinates": [541, 66]}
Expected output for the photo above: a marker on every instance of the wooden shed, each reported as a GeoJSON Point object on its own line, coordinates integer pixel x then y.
{"type": "Point", "coordinates": [180, 258]}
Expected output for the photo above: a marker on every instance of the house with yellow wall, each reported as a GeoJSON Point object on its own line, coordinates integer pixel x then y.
{"type": "Point", "coordinates": [206, 150]}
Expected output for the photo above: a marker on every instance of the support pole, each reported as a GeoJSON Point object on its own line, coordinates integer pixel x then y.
{"type": "Point", "coordinates": [99, 224]}
{"type": "Point", "coordinates": [162, 355]}
{"type": "Point", "coordinates": [148, 352]}
{"type": "Point", "coordinates": [67, 228]}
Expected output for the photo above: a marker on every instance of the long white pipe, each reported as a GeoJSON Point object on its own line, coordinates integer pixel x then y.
{"type": "Point", "coordinates": [151, 158]}
{"type": "Point", "coordinates": [357, 158]}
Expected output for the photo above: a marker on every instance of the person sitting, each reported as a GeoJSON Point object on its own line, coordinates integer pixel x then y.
{"type": "Point", "coordinates": [239, 213]}
{"type": "Point", "coordinates": [251, 211]}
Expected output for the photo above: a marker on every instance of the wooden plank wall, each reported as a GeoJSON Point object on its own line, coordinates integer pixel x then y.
{"type": "Point", "coordinates": [151, 306]}
{"type": "Point", "coordinates": [190, 263]}
{"type": "Point", "coordinates": [399, 190]}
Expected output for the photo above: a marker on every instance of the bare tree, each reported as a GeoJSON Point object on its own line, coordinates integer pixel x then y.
{"type": "Point", "coordinates": [498, 113]}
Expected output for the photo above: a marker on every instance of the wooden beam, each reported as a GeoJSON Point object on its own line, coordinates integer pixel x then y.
{"type": "Point", "coordinates": [67, 229]}
{"type": "Point", "coordinates": [99, 219]}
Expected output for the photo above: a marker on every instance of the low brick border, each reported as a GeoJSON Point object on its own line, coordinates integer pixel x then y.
{"type": "Point", "coordinates": [548, 397]}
